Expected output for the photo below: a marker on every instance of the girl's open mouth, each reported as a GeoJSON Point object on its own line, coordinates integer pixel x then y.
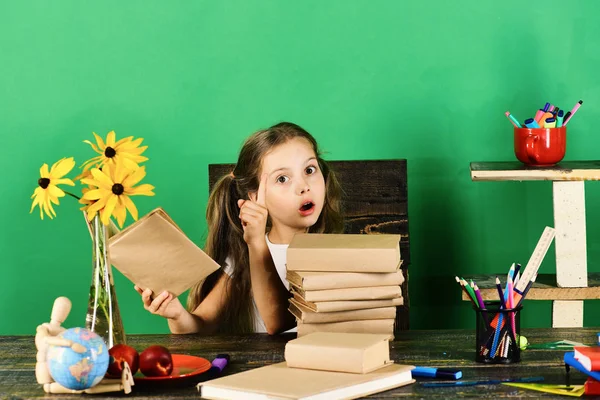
{"type": "Point", "coordinates": [307, 208]}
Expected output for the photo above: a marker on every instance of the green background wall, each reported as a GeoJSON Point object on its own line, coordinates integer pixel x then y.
{"type": "Point", "coordinates": [428, 81]}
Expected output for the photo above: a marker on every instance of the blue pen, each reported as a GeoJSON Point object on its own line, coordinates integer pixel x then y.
{"type": "Point", "coordinates": [429, 372]}
{"type": "Point", "coordinates": [530, 123]}
{"type": "Point", "coordinates": [546, 107]}
{"type": "Point", "coordinates": [559, 118]}
{"type": "Point", "coordinates": [488, 382]}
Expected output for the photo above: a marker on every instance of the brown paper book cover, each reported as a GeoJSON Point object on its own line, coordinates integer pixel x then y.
{"type": "Point", "coordinates": [278, 381]}
{"type": "Point", "coordinates": [155, 254]}
{"type": "Point", "coordinates": [305, 315]}
{"type": "Point", "coordinates": [364, 293]}
{"type": "Point", "coordinates": [310, 280]}
{"type": "Point", "coordinates": [357, 353]}
{"type": "Point", "coordinates": [346, 305]}
{"type": "Point", "coordinates": [344, 252]}
{"type": "Point", "coordinates": [382, 326]}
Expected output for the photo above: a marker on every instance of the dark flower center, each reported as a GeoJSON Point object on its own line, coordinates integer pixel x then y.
{"type": "Point", "coordinates": [43, 182]}
{"type": "Point", "coordinates": [109, 152]}
{"type": "Point", "coordinates": [118, 189]}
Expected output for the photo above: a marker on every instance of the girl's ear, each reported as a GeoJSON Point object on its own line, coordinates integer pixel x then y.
{"type": "Point", "coordinates": [252, 196]}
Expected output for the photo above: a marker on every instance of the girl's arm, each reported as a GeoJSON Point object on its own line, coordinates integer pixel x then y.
{"type": "Point", "coordinates": [270, 294]}
{"type": "Point", "coordinates": [204, 319]}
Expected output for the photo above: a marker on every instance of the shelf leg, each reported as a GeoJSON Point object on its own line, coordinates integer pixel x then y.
{"type": "Point", "coordinates": [571, 249]}
{"type": "Point", "coordinates": [567, 313]}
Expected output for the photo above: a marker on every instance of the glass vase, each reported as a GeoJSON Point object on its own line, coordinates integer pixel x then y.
{"type": "Point", "coordinates": [103, 316]}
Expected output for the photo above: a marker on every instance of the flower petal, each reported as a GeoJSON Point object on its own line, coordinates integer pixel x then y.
{"type": "Point", "coordinates": [134, 177]}
{"type": "Point", "coordinates": [93, 194]}
{"type": "Point", "coordinates": [93, 146]}
{"type": "Point", "coordinates": [100, 142]}
{"type": "Point", "coordinates": [95, 207]}
{"type": "Point", "coordinates": [129, 163]}
{"type": "Point", "coordinates": [102, 178]}
{"type": "Point", "coordinates": [62, 167]}
{"type": "Point", "coordinates": [120, 174]}
{"type": "Point", "coordinates": [120, 212]}
{"type": "Point", "coordinates": [55, 191]}
{"type": "Point", "coordinates": [110, 139]}
{"type": "Point", "coordinates": [130, 206]}
{"type": "Point", "coordinates": [63, 181]}
{"type": "Point", "coordinates": [142, 190]}
{"type": "Point", "coordinates": [108, 209]}
{"type": "Point", "coordinates": [44, 173]}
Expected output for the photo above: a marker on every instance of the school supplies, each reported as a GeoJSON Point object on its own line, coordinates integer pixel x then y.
{"type": "Point", "coordinates": [570, 360]}
{"type": "Point", "coordinates": [481, 382]}
{"type": "Point", "coordinates": [564, 390]}
{"type": "Point", "coordinates": [282, 382]}
{"type": "Point", "coordinates": [589, 357]}
{"type": "Point", "coordinates": [441, 373]}
{"type": "Point", "coordinates": [557, 345]}
{"type": "Point", "coordinates": [357, 353]}
{"type": "Point", "coordinates": [497, 333]}
{"type": "Point", "coordinates": [542, 115]}
{"type": "Point", "coordinates": [155, 254]}
{"type": "Point", "coordinates": [572, 112]}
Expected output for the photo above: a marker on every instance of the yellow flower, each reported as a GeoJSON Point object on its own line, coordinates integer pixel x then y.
{"type": "Point", "coordinates": [126, 151]}
{"type": "Point", "coordinates": [48, 191]}
{"type": "Point", "coordinates": [113, 187]}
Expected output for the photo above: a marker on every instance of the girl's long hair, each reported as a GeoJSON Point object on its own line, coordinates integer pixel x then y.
{"type": "Point", "coordinates": [225, 233]}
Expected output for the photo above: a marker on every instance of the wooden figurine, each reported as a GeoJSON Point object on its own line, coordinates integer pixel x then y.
{"type": "Point", "coordinates": [47, 334]}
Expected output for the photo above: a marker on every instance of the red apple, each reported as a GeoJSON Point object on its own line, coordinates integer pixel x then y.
{"type": "Point", "coordinates": [156, 361]}
{"type": "Point", "coordinates": [120, 353]}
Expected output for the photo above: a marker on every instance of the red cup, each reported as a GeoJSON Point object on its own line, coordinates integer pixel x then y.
{"type": "Point", "coordinates": [540, 147]}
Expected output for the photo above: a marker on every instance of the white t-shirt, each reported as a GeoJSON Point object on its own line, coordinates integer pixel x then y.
{"type": "Point", "coordinates": [278, 253]}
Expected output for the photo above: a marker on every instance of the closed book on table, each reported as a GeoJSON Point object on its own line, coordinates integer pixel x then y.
{"type": "Point", "coordinates": [589, 357]}
{"type": "Point", "coordinates": [363, 293]}
{"type": "Point", "coordinates": [344, 252]}
{"type": "Point", "coordinates": [382, 326]}
{"type": "Point", "coordinates": [305, 315]}
{"type": "Point", "coordinates": [278, 381]}
{"type": "Point", "coordinates": [310, 280]}
{"type": "Point", "coordinates": [332, 306]}
{"type": "Point", "coordinates": [357, 353]}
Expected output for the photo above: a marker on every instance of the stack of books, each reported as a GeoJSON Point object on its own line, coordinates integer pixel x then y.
{"type": "Point", "coordinates": [318, 366]}
{"type": "Point", "coordinates": [347, 283]}
{"type": "Point", "coordinates": [586, 359]}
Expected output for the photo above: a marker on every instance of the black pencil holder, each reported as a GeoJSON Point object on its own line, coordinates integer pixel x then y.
{"type": "Point", "coordinates": [498, 333]}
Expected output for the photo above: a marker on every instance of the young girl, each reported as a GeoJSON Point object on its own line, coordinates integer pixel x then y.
{"type": "Point", "coordinates": [280, 186]}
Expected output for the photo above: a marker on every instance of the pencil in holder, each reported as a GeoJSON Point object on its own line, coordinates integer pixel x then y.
{"type": "Point", "coordinates": [497, 333]}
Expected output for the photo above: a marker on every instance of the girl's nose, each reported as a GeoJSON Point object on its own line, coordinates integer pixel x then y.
{"type": "Point", "coordinates": [303, 187]}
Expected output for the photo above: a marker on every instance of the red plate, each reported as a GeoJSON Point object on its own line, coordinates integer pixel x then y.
{"type": "Point", "coordinates": [184, 367]}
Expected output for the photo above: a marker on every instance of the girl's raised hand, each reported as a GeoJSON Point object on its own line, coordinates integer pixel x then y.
{"type": "Point", "coordinates": [166, 305]}
{"type": "Point", "coordinates": [253, 214]}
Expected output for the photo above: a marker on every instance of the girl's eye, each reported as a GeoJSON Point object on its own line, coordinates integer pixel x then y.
{"type": "Point", "coordinates": [311, 170]}
{"type": "Point", "coordinates": [282, 179]}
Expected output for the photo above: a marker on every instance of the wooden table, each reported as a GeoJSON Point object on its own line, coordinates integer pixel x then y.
{"type": "Point", "coordinates": [447, 348]}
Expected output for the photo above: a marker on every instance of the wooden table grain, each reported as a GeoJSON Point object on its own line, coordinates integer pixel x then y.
{"type": "Point", "coordinates": [439, 348]}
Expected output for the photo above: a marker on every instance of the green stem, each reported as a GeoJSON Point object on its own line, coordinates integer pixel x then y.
{"type": "Point", "coordinates": [72, 195]}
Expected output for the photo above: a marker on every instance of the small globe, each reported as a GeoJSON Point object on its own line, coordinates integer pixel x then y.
{"type": "Point", "coordinates": [74, 370]}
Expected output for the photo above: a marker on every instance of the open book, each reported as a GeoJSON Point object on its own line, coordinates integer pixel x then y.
{"type": "Point", "coordinates": [155, 254]}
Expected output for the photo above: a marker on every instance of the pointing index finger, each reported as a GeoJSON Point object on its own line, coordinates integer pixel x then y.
{"type": "Point", "coordinates": [262, 190]}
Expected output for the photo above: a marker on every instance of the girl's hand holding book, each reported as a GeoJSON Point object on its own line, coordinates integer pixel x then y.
{"type": "Point", "coordinates": [166, 305]}
{"type": "Point", "coordinates": [254, 214]}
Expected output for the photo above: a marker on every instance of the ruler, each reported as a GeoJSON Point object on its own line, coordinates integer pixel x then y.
{"type": "Point", "coordinates": [536, 259]}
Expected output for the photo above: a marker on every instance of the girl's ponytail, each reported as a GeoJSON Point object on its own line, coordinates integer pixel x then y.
{"type": "Point", "coordinates": [226, 239]}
